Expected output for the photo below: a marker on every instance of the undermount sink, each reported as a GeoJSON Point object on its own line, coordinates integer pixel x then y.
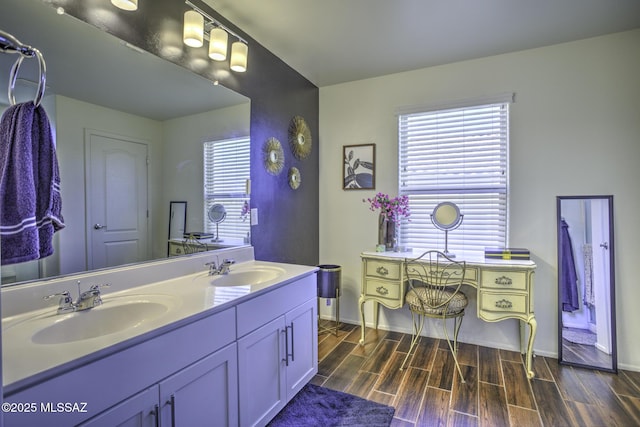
{"type": "Point", "coordinates": [114, 315]}
{"type": "Point", "coordinates": [243, 276]}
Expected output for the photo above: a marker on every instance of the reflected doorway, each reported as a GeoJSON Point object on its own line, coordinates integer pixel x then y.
{"type": "Point", "coordinates": [117, 229]}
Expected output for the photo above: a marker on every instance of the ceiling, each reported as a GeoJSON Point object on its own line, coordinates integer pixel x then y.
{"type": "Point", "coordinates": [327, 41]}
{"type": "Point", "coordinates": [336, 41]}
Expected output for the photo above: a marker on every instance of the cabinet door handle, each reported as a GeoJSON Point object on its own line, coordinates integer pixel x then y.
{"type": "Point", "coordinates": [504, 280]}
{"type": "Point", "coordinates": [382, 271]}
{"type": "Point", "coordinates": [503, 303]}
{"type": "Point", "coordinates": [155, 413]}
{"type": "Point", "coordinates": [172, 402]}
{"type": "Point", "coordinates": [293, 347]}
{"type": "Point", "coordinates": [286, 345]}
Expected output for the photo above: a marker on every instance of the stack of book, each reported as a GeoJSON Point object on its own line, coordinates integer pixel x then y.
{"type": "Point", "coordinates": [197, 235]}
{"type": "Point", "coordinates": [507, 253]}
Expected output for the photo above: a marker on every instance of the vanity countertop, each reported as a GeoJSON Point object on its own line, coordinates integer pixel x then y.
{"type": "Point", "coordinates": [30, 357]}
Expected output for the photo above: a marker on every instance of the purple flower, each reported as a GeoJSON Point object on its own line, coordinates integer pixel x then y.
{"type": "Point", "coordinates": [392, 208]}
{"type": "Point", "coordinates": [244, 213]}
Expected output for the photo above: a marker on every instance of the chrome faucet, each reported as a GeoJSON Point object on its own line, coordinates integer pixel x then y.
{"type": "Point", "coordinates": [91, 298]}
{"type": "Point", "coordinates": [223, 268]}
{"type": "Point", "coordinates": [65, 305]}
{"type": "Point", "coordinates": [86, 300]}
{"type": "Point", "coordinates": [213, 268]}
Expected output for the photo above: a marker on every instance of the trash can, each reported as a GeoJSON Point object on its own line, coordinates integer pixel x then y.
{"type": "Point", "coordinates": [329, 280]}
{"type": "Point", "coordinates": [329, 277]}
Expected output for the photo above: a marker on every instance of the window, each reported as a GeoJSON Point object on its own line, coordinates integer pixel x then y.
{"type": "Point", "coordinates": [459, 155]}
{"type": "Point", "coordinates": [226, 171]}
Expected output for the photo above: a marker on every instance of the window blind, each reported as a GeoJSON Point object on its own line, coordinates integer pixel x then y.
{"type": "Point", "coordinates": [226, 171]}
{"type": "Point", "coordinates": [458, 155]}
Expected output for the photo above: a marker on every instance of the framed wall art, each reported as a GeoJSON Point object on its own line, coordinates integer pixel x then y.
{"type": "Point", "coordinates": [359, 167]}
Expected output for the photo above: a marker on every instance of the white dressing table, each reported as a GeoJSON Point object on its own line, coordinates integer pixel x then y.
{"type": "Point", "coordinates": [505, 290]}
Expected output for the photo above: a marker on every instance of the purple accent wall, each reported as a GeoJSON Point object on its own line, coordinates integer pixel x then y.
{"type": "Point", "coordinates": [288, 221]}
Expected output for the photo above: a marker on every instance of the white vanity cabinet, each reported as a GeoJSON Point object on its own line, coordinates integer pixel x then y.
{"type": "Point", "coordinates": [140, 410]}
{"type": "Point", "coordinates": [237, 366]}
{"type": "Point", "coordinates": [205, 392]}
{"type": "Point", "coordinates": [115, 389]}
{"type": "Point", "coordinates": [277, 349]}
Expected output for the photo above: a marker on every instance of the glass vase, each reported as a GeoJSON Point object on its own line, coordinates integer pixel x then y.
{"type": "Point", "coordinates": [386, 232]}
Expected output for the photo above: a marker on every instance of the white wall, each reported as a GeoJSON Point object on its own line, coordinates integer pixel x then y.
{"type": "Point", "coordinates": [183, 156]}
{"type": "Point", "coordinates": [575, 130]}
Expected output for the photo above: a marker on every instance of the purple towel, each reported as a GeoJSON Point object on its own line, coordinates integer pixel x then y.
{"type": "Point", "coordinates": [569, 277]}
{"type": "Point", "coordinates": [30, 208]}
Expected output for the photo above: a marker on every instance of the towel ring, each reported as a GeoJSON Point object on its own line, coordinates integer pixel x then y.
{"type": "Point", "coordinates": [42, 80]}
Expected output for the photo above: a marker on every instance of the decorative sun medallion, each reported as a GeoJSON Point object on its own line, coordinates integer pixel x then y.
{"type": "Point", "coordinates": [294, 178]}
{"type": "Point", "coordinates": [299, 138]}
{"type": "Point", "coordinates": [273, 156]}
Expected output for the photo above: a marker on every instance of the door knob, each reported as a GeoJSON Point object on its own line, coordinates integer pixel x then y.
{"type": "Point", "coordinates": [604, 245]}
{"type": "Point", "coordinates": [98, 226]}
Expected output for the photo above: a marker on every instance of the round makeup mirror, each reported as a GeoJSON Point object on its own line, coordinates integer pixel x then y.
{"type": "Point", "coordinates": [217, 213]}
{"type": "Point", "coordinates": [446, 216]}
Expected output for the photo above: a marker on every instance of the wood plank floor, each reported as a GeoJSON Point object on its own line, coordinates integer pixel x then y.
{"type": "Point", "coordinates": [428, 392]}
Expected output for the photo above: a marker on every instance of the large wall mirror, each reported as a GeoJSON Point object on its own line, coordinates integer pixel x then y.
{"type": "Point", "coordinates": [101, 90]}
{"type": "Point", "coordinates": [586, 282]}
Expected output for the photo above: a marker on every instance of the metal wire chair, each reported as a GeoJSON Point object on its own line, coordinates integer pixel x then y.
{"type": "Point", "coordinates": [434, 282]}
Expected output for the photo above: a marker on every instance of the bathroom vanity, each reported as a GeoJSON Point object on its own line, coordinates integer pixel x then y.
{"type": "Point", "coordinates": [227, 349]}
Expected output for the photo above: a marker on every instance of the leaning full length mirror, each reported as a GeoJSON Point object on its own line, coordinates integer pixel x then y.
{"type": "Point", "coordinates": [104, 96]}
{"type": "Point", "coordinates": [586, 282]}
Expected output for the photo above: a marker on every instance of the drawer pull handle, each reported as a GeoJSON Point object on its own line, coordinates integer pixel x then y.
{"type": "Point", "coordinates": [504, 280]}
{"type": "Point", "coordinates": [382, 271]}
{"type": "Point", "coordinates": [503, 303]}
{"type": "Point", "coordinates": [382, 290]}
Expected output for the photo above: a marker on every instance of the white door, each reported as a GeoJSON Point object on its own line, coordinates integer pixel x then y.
{"type": "Point", "coordinates": [116, 200]}
{"type": "Point", "coordinates": [601, 272]}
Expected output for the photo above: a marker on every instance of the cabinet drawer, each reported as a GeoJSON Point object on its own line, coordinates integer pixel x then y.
{"type": "Point", "coordinates": [176, 249]}
{"type": "Point", "coordinates": [516, 280]}
{"type": "Point", "coordinates": [383, 269]}
{"type": "Point", "coordinates": [503, 303]}
{"type": "Point", "coordinates": [383, 289]}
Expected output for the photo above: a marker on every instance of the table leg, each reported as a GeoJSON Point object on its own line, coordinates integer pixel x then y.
{"type": "Point", "coordinates": [533, 326]}
{"type": "Point", "coordinates": [361, 302]}
{"type": "Point", "coordinates": [376, 311]}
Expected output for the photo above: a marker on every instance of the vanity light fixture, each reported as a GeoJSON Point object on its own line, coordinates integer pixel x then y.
{"type": "Point", "coordinates": [200, 26]}
{"type": "Point", "coordinates": [193, 33]}
{"type": "Point", "coordinates": [218, 39]}
{"type": "Point", "coordinates": [239, 53]}
{"type": "Point", "coordinates": [125, 4]}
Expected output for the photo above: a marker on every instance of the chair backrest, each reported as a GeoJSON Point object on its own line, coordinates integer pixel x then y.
{"type": "Point", "coordinates": [438, 276]}
{"type": "Point", "coordinates": [191, 245]}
